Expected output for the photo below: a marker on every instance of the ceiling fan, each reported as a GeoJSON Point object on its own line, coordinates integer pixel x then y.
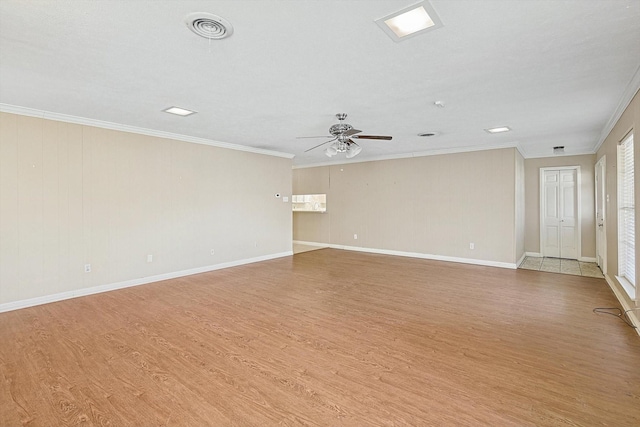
{"type": "Point", "coordinates": [342, 136]}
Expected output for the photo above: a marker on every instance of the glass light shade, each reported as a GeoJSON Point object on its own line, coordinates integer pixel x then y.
{"type": "Point", "coordinates": [353, 151]}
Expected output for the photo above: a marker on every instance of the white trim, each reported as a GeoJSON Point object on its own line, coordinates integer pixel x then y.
{"type": "Point", "coordinates": [627, 96]}
{"type": "Point", "coordinates": [439, 152]}
{"type": "Point", "coordinates": [602, 164]}
{"type": "Point", "coordinates": [623, 303]}
{"type": "Point", "coordinates": [302, 242]}
{"type": "Point", "coordinates": [587, 259]}
{"type": "Point", "coordinates": [436, 152]}
{"type": "Point", "coordinates": [524, 255]}
{"type": "Point", "coordinates": [420, 255]}
{"type": "Point", "coordinates": [24, 111]}
{"type": "Point", "coordinates": [628, 287]}
{"type": "Point", "coordinates": [574, 153]}
{"type": "Point", "coordinates": [578, 206]}
{"type": "Point", "coordinates": [15, 305]}
{"type": "Point", "coordinates": [534, 254]}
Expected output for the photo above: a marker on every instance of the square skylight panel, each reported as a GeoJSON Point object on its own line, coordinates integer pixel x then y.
{"type": "Point", "coordinates": [179, 111]}
{"type": "Point", "coordinates": [499, 129]}
{"type": "Point", "coordinates": [410, 21]}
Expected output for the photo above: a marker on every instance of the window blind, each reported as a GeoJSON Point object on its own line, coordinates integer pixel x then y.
{"type": "Point", "coordinates": [626, 212]}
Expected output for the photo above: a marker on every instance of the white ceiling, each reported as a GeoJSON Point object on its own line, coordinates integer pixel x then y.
{"type": "Point", "coordinates": [554, 71]}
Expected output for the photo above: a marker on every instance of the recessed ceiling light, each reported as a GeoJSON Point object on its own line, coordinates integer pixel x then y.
{"type": "Point", "coordinates": [179, 111]}
{"type": "Point", "coordinates": [498, 129]}
{"type": "Point", "coordinates": [410, 21]}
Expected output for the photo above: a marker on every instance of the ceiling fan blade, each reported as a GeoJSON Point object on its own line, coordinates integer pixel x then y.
{"type": "Point", "coordinates": [305, 137]}
{"type": "Point", "coordinates": [319, 145]}
{"type": "Point", "coordinates": [385, 138]}
{"type": "Point", "coordinates": [351, 132]}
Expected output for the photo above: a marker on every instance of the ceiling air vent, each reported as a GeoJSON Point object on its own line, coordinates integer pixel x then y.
{"type": "Point", "coordinates": [558, 150]}
{"type": "Point", "coordinates": [209, 26]}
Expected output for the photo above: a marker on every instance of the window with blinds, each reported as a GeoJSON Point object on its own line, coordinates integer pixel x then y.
{"type": "Point", "coordinates": [626, 214]}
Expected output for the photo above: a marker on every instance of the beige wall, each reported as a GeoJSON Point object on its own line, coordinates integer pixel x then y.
{"type": "Point", "coordinates": [72, 195]}
{"type": "Point", "coordinates": [587, 207]}
{"type": "Point", "coordinates": [433, 205]}
{"type": "Point", "coordinates": [630, 120]}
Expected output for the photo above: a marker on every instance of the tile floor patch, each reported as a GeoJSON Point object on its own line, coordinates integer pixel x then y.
{"type": "Point", "coordinates": [561, 265]}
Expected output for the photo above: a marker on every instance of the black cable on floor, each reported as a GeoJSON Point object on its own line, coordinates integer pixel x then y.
{"type": "Point", "coordinates": [620, 314]}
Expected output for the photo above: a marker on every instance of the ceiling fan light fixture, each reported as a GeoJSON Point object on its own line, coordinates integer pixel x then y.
{"type": "Point", "coordinates": [353, 150]}
{"type": "Point", "coordinates": [331, 150]}
{"type": "Point", "coordinates": [410, 21]}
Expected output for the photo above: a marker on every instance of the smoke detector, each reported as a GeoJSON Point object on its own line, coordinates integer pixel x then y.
{"type": "Point", "coordinates": [208, 25]}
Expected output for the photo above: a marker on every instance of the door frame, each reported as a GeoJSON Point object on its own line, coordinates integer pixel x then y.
{"type": "Point", "coordinates": [543, 205]}
{"type": "Point", "coordinates": [602, 164]}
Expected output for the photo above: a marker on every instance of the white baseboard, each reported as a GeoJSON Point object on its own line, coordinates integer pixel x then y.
{"type": "Point", "coordinates": [15, 305]}
{"type": "Point", "coordinates": [586, 259]}
{"type": "Point", "coordinates": [302, 242]}
{"type": "Point", "coordinates": [632, 314]}
{"type": "Point", "coordinates": [534, 254]}
{"type": "Point", "coordinates": [414, 255]}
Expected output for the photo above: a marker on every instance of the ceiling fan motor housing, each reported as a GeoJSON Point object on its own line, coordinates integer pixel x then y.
{"type": "Point", "coordinates": [339, 128]}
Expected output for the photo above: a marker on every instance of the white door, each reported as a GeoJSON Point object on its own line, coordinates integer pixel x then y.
{"type": "Point", "coordinates": [559, 213]}
{"type": "Point", "coordinates": [601, 237]}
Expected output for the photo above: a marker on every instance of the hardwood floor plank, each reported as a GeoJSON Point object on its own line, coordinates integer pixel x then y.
{"type": "Point", "coordinates": [326, 337]}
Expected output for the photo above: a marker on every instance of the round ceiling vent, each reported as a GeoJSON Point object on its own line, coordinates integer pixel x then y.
{"type": "Point", "coordinates": [209, 26]}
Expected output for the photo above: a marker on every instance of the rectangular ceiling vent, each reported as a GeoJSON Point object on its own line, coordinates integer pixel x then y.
{"type": "Point", "coordinates": [558, 150]}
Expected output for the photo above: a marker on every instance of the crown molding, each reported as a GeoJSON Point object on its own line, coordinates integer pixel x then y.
{"type": "Point", "coordinates": [48, 115]}
{"type": "Point", "coordinates": [544, 156]}
{"type": "Point", "coordinates": [436, 152]}
{"type": "Point", "coordinates": [628, 94]}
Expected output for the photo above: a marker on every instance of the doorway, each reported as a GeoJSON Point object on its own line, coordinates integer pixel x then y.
{"type": "Point", "coordinates": [560, 212]}
{"type": "Point", "coordinates": [601, 229]}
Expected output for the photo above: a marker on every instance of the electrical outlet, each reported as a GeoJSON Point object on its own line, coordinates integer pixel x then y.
{"type": "Point", "coordinates": [285, 199]}
{"type": "Point", "coordinates": [149, 258]}
{"type": "Point", "coordinates": [472, 245]}
{"type": "Point", "coordinates": [355, 237]}
{"type": "Point", "coordinates": [87, 268]}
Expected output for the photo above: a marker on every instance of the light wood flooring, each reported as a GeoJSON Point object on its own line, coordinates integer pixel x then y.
{"type": "Point", "coordinates": [326, 338]}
